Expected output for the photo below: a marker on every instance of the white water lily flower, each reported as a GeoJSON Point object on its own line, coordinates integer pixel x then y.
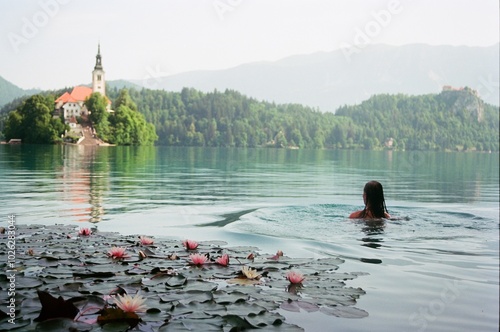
{"type": "Point", "coordinates": [250, 273]}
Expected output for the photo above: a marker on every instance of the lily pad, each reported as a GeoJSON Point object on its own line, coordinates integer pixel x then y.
{"type": "Point", "coordinates": [295, 306]}
{"type": "Point", "coordinates": [113, 316]}
{"type": "Point", "coordinates": [213, 324]}
{"type": "Point", "coordinates": [344, 312]}
{"type": "Point", "coordinates": [176, 281]}
{"type": "Point", "coordinates": [177, 296]}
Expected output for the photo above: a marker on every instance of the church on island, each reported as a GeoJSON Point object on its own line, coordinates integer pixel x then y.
{"type": "Point", "coordinates": [72, 105]}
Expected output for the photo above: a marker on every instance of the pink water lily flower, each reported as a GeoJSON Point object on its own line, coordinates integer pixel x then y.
{"type": "Point", "coordinates": [146, 240]}
{"type": "Point", "coordinates": [198, 259]}
{"type": "Point", "coordinates": [223, 260]}
{"type": "Point", "coordinates": [130, 304]}
{"type": "Point", "coordinates": [190, 244]}
{"type": "Point", "coordinates": [118, 253]}
{"type": "Point", "coordinates": [276, 257]}
{"type": "Point", "coordinates": [295, 277]}
{"type": "Point", "coordinates": [84, 231]}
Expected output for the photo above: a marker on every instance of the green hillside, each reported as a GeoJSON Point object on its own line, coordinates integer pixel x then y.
{"type": "Point", "coordinates": [9, 91]}
{"type": "Point", "coordinates": [452, 120]}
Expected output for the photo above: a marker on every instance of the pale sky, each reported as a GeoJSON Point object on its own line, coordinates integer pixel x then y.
{"type": "Point", "coordinates": [51, 44]}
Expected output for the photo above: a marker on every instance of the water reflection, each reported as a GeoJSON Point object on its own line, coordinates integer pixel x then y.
{"type": "Point", "coordinates": [83, 185]}
{"type": "Point", "coordinates": [372, 229]}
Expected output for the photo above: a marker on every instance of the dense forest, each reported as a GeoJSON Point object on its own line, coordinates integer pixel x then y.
{"type": "Point", "coordinates": [33, 122]}
{"type": "Point", "coordinates": [125, 125]}
{"type": "Point", "coordinates": [451, 120]}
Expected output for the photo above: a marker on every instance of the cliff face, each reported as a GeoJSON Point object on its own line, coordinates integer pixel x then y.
{"type": "Point", "coordinates": [464, 99]}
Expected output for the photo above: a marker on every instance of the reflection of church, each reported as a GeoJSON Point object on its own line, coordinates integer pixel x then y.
{"type": "Point", "coordinates": [84, 186]}
{"type": "Point", "coordinates": [72, 105]}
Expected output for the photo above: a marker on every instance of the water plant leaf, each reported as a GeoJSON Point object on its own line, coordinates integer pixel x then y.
{"type": "Point", "coordinates": [188, 296]}
{"type": "Point", "coordinates": [243, 281]}
{"type": "Point", "coordinates": [62, 324]}
{"type": "Point", "coordinates": [244, 309]}
{"type": "Point", "coordinates": [176, 281]}
{"type": "Point", "coordinates": [90, 274]}
{"type": "Point", "coordinates": [115, 315]}
{"type": "Point", "coordinates": [229, 298]}
{"type": "Point", "coordinates": [21, 323]}
{"type": "Point", "coordinates": [28, 283]}
{"type": "Point", "coordinates": [307, 306]}
{"type": "Point", "coordinates": [179, 297]}
{"type": "Point", "coordinates": [290, 306]}
{"type": "Point", "coordinates": [89, 304]}
{"type": "Point", "coordinates": [238, 323]}
{"type": "Point", "coordinates": [33, 271]}
{"type": "Point", "coordinates": [264, 319]}
{"type": "Point", "coordinates": [213, 324]}
{"type": "Point", "coordinates": [55, 308]}
{"type": "Point", "coordinates": [344, 312]}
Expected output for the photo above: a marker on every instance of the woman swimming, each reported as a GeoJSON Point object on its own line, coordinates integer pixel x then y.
{"type": "Point", "coordinates": [373, 197]}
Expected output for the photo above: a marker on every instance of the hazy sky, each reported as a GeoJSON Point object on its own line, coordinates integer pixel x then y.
{"type": "Point", "coordinates": [51, 44]}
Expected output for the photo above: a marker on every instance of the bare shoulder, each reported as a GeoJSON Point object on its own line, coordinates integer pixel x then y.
{"type": "Point", "coordinates": [355, 215]}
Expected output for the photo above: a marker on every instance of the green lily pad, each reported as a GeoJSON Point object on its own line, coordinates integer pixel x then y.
{"type": "Point", "coordinates": [344, 312]}
{"type": "Point", "coordinates": [62, 324]}
{"type": "Point", "coordinates": [295, 306]}
{"type": "Point", "coordinates": [213, 324]}
{"type": "Point", "coordinates": [27, 283]}
{"type": "Point", "coordinates": [176, 281]}
{"type": "Point", "coordinates": [118, 316]}
{"type": "Point", "coordinates": [177, 296]}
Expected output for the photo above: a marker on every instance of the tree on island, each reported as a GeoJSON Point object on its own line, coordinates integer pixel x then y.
{"type": "Point", "coordinates": [33, 122]}
{"type": "Point", "coordinates": [96, 104]}
{"type": "Point", "coordinates": [124, 126]}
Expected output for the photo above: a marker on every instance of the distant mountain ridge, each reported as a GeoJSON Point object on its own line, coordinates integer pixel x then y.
{"type": "Point", "coordinates": [10, 91]}
{"type": "Point", "coordinates": [328, 80]}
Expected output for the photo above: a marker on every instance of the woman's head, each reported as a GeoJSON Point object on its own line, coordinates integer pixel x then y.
{"type": "Point", "coordinates": [373, 195]}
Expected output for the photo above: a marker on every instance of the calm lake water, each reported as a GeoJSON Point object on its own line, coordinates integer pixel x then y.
{"type": "Point", "coordinates": [435, 267]}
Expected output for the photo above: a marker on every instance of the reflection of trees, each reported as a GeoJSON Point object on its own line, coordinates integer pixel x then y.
{"type": "Point", "coordinates": [448, 177]}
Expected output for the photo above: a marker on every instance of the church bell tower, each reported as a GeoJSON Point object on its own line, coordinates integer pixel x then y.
{"type": "Point", "coordinates": [98, 82]}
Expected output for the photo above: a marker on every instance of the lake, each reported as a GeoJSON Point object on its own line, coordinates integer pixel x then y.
{"type": "Point", "coordinates": [434, 267]}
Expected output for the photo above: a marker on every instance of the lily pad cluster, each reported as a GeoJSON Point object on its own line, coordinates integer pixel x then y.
{"type": "Point", "coordinates": [67, 280]}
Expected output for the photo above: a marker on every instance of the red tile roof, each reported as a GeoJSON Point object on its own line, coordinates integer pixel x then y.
{"type": "Point", "coordinates": [79, 93]}
{"type": "Point", "coordinates": [64, 98]}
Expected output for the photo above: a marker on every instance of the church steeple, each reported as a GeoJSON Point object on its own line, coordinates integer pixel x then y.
{"type": "Point", "coordinates": [98, 82]}
{"type": "Point", "coordinates": [98, 63]}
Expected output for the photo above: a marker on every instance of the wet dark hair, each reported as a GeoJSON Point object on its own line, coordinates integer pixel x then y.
{"type": "Point", "coordinates": [375, 202]}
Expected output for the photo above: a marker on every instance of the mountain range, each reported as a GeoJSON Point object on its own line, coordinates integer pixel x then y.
{"type": "Point", "coordinates": [328, 80]}
{"type": "Point", "coordinates": [10, 91]}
